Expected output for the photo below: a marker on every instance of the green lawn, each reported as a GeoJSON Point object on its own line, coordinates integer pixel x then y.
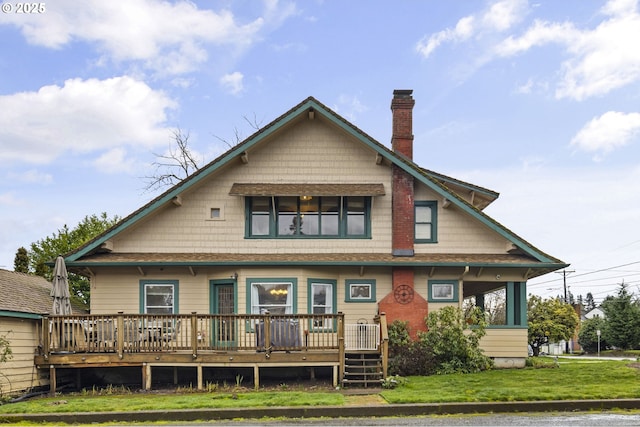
{"type": "Point", "coordinates": [567, 379]}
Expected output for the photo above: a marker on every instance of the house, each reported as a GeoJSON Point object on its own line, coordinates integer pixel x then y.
{"type": "Point", "coordinates": [308, 217]}
{"type": "Point", "coordinates": [24, 300]}
{"type": "Point", "coordinates": [594, 312]}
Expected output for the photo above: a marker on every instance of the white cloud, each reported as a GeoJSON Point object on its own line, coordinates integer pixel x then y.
{"type": "Point", "coordinates": [349, 106]}
{"type": "Point", "coordinates": [81, 116]}
{"type": "Point", "coordinates": [500, 16]}
{"type": "Point", "coordinates": [32, 176]}
{"type": "Point", "coordinates": [611, 130]}
{"type": "Point", "coordinates": [233, 82]}
{"type": "Point", "coordinates": [599, 60]}
{"type": "Point", "coordinates": [114, 161]}
{"type": "Point", "coordinates": [165, 36]}
{"type": "Point", "coordinates": [10, 199]}
{"type": "Point", "coordinates": [554, 210]}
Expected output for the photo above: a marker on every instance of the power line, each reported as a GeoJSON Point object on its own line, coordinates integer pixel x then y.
{"type": "Point", "coordinates": [589, 272]}
{"type": "Point", "coordinates": [564, 281]}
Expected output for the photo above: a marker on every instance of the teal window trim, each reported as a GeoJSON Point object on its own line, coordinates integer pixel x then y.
{"type": "Point", "coordinates": [360, 290]}
{"type": "Point", "coordinates": [294, 289]}
{"type": "Point", "coordinates": [334, 302]}
{"type": "Point", "coordinates": [343, 218]}
{"type": "Point", "coordinates": [443, 291]}
{"type": "Point", "coordinates": [433, 205]}
{"type": "Point", "coordinates": [176, 292]}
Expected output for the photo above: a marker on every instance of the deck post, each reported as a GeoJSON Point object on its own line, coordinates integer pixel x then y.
{"type": "Point", "coordinates": [256, 377]}
{"type": "Point", "coordinates": [341, 345]}
{"type": "Point", "coordinates": [52, 380]}
{"type": "Point", "coordinates": [335, 375]}
{"type": "Point", "coordinates": [46, 333]}
{"type": "Point", "coordinates": [384, 338]}
{"type": "Point", "coordinates": [194, 334]}
{"type": "Point", "coordinates": [199, 372]}
{"type": "Point", "coordinates": [267, 335]}
{"type": "Point", "coordinates": [146, 376]}
{"type": "Point", "coordinates": [120, 333]}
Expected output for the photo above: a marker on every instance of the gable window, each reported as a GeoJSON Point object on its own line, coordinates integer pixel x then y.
{"type": "Point", "coordinates": [426, 213]}
{"type": "Point", "coordinates": [273, 296]}
{"type": "Point", "coordinates": [158, 297]}
{"type": "Point", "coordinates": [309, 216]}
{"type": "Point", "coordinates": [322, 300]}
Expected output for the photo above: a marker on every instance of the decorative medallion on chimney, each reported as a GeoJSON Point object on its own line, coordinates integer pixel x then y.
{"type": "Point", "coordinates": [403, 294]}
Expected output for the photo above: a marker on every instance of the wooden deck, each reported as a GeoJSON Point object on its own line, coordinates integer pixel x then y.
{"type": "Point", "coordinates": [204, 340]}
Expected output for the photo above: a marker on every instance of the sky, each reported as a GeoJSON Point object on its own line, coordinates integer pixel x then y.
{"type": "Point", "coordinates": [538, 101]}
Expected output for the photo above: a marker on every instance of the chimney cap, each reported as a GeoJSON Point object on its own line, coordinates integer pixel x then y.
{"type": "Point", "coordinates": [402, 93]}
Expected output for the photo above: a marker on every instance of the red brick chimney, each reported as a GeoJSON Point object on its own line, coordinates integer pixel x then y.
{"type": "Point", "coordinates": [402, 193]}
{"type": "Point", "coordinates": [402, 110]}
{"type": "Point", "coordinates": [403, 303]}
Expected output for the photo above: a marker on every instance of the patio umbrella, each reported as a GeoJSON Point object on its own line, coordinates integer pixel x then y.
{"type": "Point", "coordinates": [60, 288]}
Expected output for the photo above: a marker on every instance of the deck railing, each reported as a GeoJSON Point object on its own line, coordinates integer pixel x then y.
{"type": "Point", "coordinates": [136, 333]}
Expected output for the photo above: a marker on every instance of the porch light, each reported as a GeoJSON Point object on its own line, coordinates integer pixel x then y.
{"type": "Point", "coordinates": [306, 198]}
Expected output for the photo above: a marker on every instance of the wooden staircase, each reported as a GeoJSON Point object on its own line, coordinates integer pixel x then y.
{"type": "Point", "coordinates": [362, 369]}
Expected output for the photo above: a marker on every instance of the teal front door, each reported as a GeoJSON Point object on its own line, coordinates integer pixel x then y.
{"type": "Point", "coordinates": [224, 329]}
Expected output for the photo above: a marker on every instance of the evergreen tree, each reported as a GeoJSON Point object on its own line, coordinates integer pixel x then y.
{"type": "Point", "coordinates": [588, 335]}
{"type": "Point", "coordinates": [622, 326]}
{"type": "Point", "coordinates": [21, 261]}
{"type": "Point", "coordinates": [589, 303]}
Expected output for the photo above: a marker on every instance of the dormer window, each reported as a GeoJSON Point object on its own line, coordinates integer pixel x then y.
{"type": "Point", "coordinates": [311, 211]}
{"type": "Point", "coordinates": [308, 217]}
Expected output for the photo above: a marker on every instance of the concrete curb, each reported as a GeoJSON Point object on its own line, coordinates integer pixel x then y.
{"type": "Point", "coordinates": [326, 411]}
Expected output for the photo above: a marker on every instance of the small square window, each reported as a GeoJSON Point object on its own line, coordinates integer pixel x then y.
{"type": "Point", "coordinates": [215, 213]}
{"type": "Point", "coordinates": [360, 291]}
{"type": "Point", "coordinates": [443, 291]}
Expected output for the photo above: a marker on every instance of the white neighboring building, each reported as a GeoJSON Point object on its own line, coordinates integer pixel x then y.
{"type": "Point", "coordinates": [593, 313]}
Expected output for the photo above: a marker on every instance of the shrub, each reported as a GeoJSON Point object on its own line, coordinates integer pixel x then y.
{"type": "Point", "coordinates": [456, 349]}
{"type": "Point", "coordinates": [407, 357]}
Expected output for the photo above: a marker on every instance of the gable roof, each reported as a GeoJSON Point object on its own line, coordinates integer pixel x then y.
{"type": "Point", "coordinates": [311, 106]}
{"type": "Point", "coordinates": [26, 295]}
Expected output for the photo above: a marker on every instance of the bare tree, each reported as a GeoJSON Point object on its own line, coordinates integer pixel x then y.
{"type": "Point", "coordinates": [173, 167]}
{"type": "Point", "coordinates": [180, 162]}
{"type": "Point", "coordinates": [253, 123]}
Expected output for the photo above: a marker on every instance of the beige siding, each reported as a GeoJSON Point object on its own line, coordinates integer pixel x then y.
{"type": "Point", "coordinates": [19, 373]}
{"type": "Point", "coordinates": [457, 231]}
{"type": "Point", "coordinates": [505, 343]}
{"type": "Point", "coordinates": [120, 290]}
{"type": "Point", "coordinates": [330, 158]}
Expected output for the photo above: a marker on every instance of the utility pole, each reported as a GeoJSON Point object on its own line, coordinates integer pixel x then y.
{"type": "Point", "coordinates": [564, 280]}
{"type": "Point", "coordinates": [566, 297]}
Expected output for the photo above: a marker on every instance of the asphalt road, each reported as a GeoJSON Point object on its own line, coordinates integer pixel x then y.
{"type": "Point", "coordinates": [532, 419]}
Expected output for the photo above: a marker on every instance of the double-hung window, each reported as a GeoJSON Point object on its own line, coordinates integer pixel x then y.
{"type": "Point", "coordinates": [308, 217]}
{"type": "Point", "coordinates": [158, 297]}
{"type": "Point", "coordinates": [322, 300]}
{"type": "Point", "coordinates": [426, 221]}
{"type": "Point", "coordinates": [275, 297]}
